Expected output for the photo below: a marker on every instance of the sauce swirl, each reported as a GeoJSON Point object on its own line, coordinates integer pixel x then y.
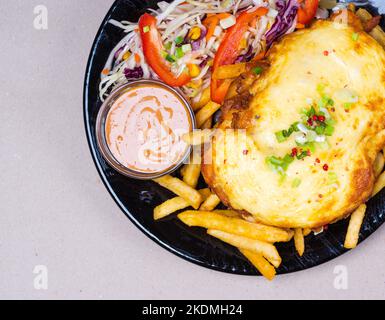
{"type": "Point", "coordinates": [144, 128]}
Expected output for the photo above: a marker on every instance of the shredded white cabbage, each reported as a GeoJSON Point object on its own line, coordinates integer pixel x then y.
{"type": "Point", "coordinates": [175, 20]}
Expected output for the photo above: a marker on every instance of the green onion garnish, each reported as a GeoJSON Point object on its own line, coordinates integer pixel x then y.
{"type": "Point", "coordinates": [347, 105]}
{"type": "Point", "coordinates": [170, 58]}
{"type": "Point", "coordinates": [329, 130]}
{"type": "Point", "coordinates": [146, 29]}
{"type": "Point", "coordinates": [296, 183]}
{"type": "Point", "coordinates": [179, 40]}
{"type": "Point", "coordinates": [355, 36]}
{"type": "Point", "coordinates": [284, 134]}
{"type": "Point", "coordinates": [278, 164]}
{"type": "Point", "coordinates": [280, 137]}
{"type": "Point", "coordinates": [332, 178]}
{"type": "Point", "coordinates": [179, 53]}
{"type": "Point", "coordinates": [257, 70]}
{"type": "Point", "coordinates": [186, 48]}
{"type": "Point", "coordinates": [168, 45]}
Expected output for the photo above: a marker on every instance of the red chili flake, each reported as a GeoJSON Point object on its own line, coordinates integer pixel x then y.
{"type": "Point", "coordinates": [326, 227]}
{"type": "Point", "coordinates": [294, 152]}
{"type": "Point", "coordinates": [320, 196]}
{"type": "Point", "coordinates": [326, 53]}
{"type": "Point", "coordinates": [321, 118]}
{"type": "Point", "coordinates": [308, 153]}
{"type": "Point", "coordinates": [318, 160]}
{"type": "Point", "coordinates": [333, 109]}
{"type": "Point", "coordinates": [245, 152]}
{"type": "Point", "coordinates": [325, 167]}
{"type": "Point", "coordinates": [315, 118]}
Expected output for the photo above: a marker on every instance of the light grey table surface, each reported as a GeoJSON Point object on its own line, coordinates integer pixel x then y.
{"type": "Point", "coordinates": [56, 213]}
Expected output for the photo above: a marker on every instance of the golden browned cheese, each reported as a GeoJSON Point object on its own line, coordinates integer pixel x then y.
{"type": "Point", "coordinates": [330, 54]}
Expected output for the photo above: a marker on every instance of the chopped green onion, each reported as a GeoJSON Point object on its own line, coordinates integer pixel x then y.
{"type": "Point", "coordinates": [323, 145]}
{"type": "Point", "coordinates": [179, 53]}
{"type": "Point", "coordinates": [320, 130]}
{"type": "Point", "coordinates": [321, 88]}
{"type": "Point", "coordinates": [325, 102]}
{"type": "Point", "coordinates": [332, 178]}
{"type": "Point", "coordinates": [302, 155]}
{"type": "Point", "coordinates": [329, 130]}
{"type": "Point", "coordinates": [146, 29]}
{"type": "Point", "coordinates": [257, 70]}
{"type": "Point", "coordinates": [296, 183]}
{"type": "Point", "coordinates": [179, 40]}
{"type": "Point", "coordinates": [168, 45]}
{"type": "Point", "coordinates": [347, 105]}
{"type": "Point", "coordinates": [280, 136]}
{"type": "Point", "coordinates": [170, 58]}
{"type": "Point", "coordinates": [186, 48]}
{"type": "Point", "coordinates": [275, 160]}
{"type": "Point", "coordinates": [355, 36]}
{"type": "Point", "coordinates": [278, 164]}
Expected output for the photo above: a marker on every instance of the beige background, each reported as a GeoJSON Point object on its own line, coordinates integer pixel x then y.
{"type": "Point", "coordinates": [54, 210]}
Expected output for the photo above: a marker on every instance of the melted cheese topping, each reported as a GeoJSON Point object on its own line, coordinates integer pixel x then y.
{"type": "Point", "coordinates": [299, 65]}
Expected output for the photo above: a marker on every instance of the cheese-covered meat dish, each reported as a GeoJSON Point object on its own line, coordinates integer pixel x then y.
{"type": "Point", "coordinates": [311, 126]}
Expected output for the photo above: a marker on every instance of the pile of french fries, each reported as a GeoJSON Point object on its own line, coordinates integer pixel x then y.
{"type": "Point", "coordinates": [254, 240]}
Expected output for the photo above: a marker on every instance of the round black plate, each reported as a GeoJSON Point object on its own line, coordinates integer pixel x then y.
{"type": "Point", "coordinates": [138, 198]}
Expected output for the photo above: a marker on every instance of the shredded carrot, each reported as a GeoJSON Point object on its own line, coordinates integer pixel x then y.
{"type": "Point", "coordinates": [212, 21]}
{"type": "Point", "coordinates": [223, 15]}
{"type": "Point", "coordinates": [259, 56]}
{"type": "Point", "coordinates": [137, 58]}
{"type": "Point", "coordinates": [300, 26]}
{"type": "Point", "coordinates": [106, 72]}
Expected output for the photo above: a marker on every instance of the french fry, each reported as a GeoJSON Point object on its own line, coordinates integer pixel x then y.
{"type": "Point", "coordinates": [192, 170]}
{"type": "Point", "coordinates": [175, 204]}
{"type": "Point", "coordinates": [191, 174]}
{"type": "Point", "coordinates": [379, 185]}
{"type": "Point", "coordinates": [210, 203]}
{"type": "Point", "coordinates": [183, 170]}
{"type": "Point", "coordinates": [377, 33]}
{"type": "Point", "coordinates": [170, 206]}
{"type": "Point", "coordinates": [205, 193]}
{"type": "Point", "coordinates": [180, 188]}
{"type": "Point", "coordinates": [266, 249]}
{"type": "Point", "coordinates": [354, 228]}
{"type": "Point", "coordinates": [363, 14]}
{"type": "Point", "coordinates": [379, 164]}
{"type": "Point", "coordinates": [228, 213]}
{"type": "Point", "coordinates": [299, 241]}
{"type": "Point", "coordinates": [229, 71]}
{"type": "Point", "coordinates": [208, 124]}
{"type": "Point", "coordinates": [204, 99]}
{"type": "Point", "coordinates": [260, 263]}
{"type": "Point", "coordinates": [234, 225]}
{"type": "Point", "coordinates": [306, 232]}
{"type": "Point", "coordinates": [198, 137]}
{"type": "Point", "coordinates": [206, 112]}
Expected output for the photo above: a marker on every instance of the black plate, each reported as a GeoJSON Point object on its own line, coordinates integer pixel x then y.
{"type": "Point", "coordinates": [138, 198]}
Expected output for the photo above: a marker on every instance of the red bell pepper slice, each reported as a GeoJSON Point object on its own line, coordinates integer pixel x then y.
{"type": "Point", "coordinates": [229, 51]}
{"type": "Point", "coordinates": [307, 11]}
{"type": "Point", "coordinates": [152, 50]}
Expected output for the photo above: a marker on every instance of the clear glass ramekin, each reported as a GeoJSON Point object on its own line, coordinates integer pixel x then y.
{"type": "Point", "coordinates": [101, 132]}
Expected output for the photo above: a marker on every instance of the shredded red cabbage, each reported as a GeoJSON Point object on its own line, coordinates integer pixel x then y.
{"type": "Point", "coordinates": [287, 13]}
{"type": "Point", "coordinates": [135, 73]}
